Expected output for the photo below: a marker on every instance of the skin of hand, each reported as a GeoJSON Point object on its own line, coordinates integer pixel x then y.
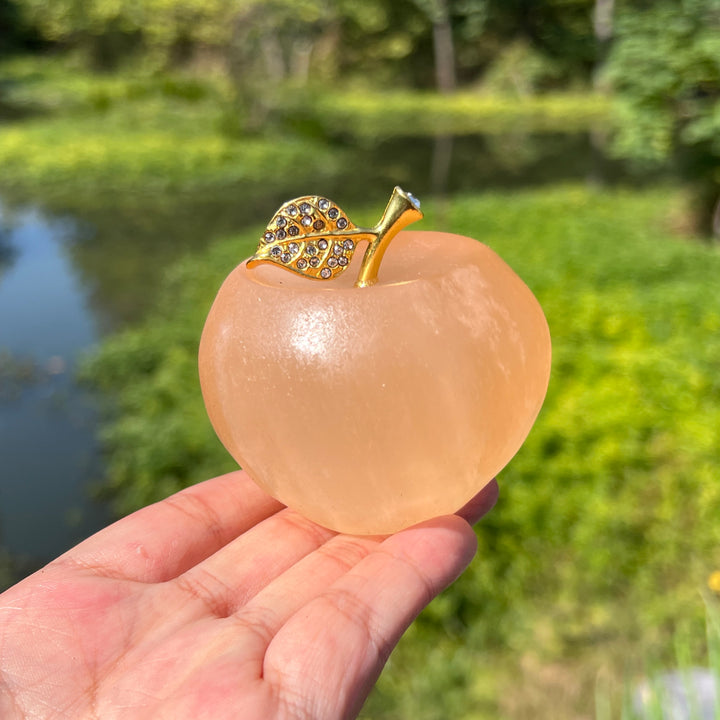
{"type": "Point", "coordinates": [219, 602]}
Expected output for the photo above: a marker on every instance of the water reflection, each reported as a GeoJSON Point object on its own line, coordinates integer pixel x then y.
{"type": "Point", "coordinates": [47, 439]}
{"type": "Point", "coordinates": [7, 251]}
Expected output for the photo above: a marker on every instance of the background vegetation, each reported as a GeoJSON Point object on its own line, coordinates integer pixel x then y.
{"type": "Point", "coordinates": [593, 569]}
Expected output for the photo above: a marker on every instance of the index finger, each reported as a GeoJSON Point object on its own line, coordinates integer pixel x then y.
{"type": "Point", "coordinates": [161, 541]}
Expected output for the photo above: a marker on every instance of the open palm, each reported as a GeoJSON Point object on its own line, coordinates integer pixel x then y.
{"type": "Point", "coordinates": [220, 603]}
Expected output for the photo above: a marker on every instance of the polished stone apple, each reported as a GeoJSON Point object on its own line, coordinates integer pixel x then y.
{"type": "Point", "coordinates": [368, 409]}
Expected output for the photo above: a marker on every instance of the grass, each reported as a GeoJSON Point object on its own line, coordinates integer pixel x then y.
{"type": "Point", "coordinates": [134, 133]}
{"type": "Point", "coordinates": [154, 145]}
{"type": "Point", "coordinates": [373, 114]}
{"type": "Point", "coordinates": [683, 688]}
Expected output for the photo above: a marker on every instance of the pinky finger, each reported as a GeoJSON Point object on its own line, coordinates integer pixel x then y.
{"type": "Point", "coordinates": [329, 654]}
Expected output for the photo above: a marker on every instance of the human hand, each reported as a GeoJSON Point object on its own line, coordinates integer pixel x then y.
{"type": "Point", "coordinates": [219, 602]}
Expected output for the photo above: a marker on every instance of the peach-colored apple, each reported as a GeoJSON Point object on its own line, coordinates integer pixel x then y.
{"type": "Point", "coordinates": [368, 409]}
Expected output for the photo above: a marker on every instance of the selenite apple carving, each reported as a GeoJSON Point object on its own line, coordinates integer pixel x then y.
{"type": "Point", "coordinates": [369, 406]}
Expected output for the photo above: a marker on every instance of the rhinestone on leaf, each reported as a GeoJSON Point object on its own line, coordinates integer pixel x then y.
{"type": "Point", "coordinates": [338, 250]}
{"type": "Point", "coordinates": [318, 224]}
{"type": "Point", "coordinates": [323, 244]}
{"type": "Point", "coordinates": [305, 208]}
{"type": "Point", "coordinates": [314, 261]}
{"type": "Point", "coordinates": [292, 211]}
{"type": "Point", "coordinates": [280, 234]}
{"type": "Point", "coordinates": [342, 261]}
{"type": "Point", "coordinates": [301, 264]}
{"type": "Point", "coordinates": [333, 213]}
{"type": "Point", "coordinates": [323, 204]}
{"type": "Point", "coordinates": [325, 273]}
{"type": "Point", "coordinates": [269, 237]}
{"type": "Point", "coordinates": [332, 262]}
{"type": "Point", "coordinates": [293, 248]}
{"type": "Point", "coordinates": [286, 257]}
{"type": "Point", "coordinates": [276, 251]}
{"type": "Point", "coordinates": [293, 230]}
{"type": "Point", "coordinates": [281, 222]}
{"type": "Point", "coordinates": [311, 250]}
{"type": "Point", "coordinates": [306, 220]}
{"type": "Point", "coordinates": [342, 223]}
{"type": "Point", "coordinates": [349, 245]}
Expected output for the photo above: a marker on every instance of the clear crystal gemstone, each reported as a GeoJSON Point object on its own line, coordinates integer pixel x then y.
{"type": "Point", "coordinates": [318, 224]}
{"type": "Point", "coordinates": [269, 237]}
{"type": "Point", "coordinates": [292, 211]}
{"type": "Point", "coordinates": [301, 263]}
{"type": "Point", "coordinates": [305, 208]}
{"type": "Point", "coordinates": [323, 244]}
{"type": "Point", "coordinates": [280, 234]}
{"type": "Point", "coordinates": [349, 245]}
{"type": "Point", "coordinates": [286, 257]}
{"type": "Point", "coordinates": [342, 261]}
{"type": "Point", "coordinates": [333, 213]}
{"type": "Point", "coordinates": [342, 223]}
{"type": "Point", "coordinates": [325, 273]}
{"type": "Point", "coordinates": [315, 261]}
{"type": "Point", "coordinates": [293, 230]}
{"type": "Point", "coordinates": [323, 204]}
{"type": "Point", "coordinates": [338, 250]}
{"type": "Point", "coordinates": [276, 251]}
{"type": "Point", "coordinates": [332, 262]}
{"type": "Point", "coordinates": [306, 220]}
{"type": "Point", "coordinates": [293, 248]}
{"type": "Point", "coordinates": [311, 250]}
{"type": "Point", "coordinates": [281, 222]}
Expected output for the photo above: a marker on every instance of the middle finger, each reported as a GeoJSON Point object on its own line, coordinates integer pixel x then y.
{"type": "Point", "coordinates": [227, 580]}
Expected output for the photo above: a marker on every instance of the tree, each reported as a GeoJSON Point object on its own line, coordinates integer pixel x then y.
{"type": "Point", "coordinates": [603, 20]}
{"type": "Point", "coordinates": [264, 44]}
{"type": "Point", "coordinates": [664, 67]}
{"type": "Point", "coordinates": [438, 12]}
{"type": "Point", "coordinates": [559, 31]}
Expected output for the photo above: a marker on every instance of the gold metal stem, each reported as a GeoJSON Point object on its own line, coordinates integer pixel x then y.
{"type": "Point", "coordinates": [401, 210]}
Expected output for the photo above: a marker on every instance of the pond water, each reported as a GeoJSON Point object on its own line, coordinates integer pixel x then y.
{"type": "Point", "coordinates": [47, 423]}
{"type": "Point", "coordinates": [67, 279]}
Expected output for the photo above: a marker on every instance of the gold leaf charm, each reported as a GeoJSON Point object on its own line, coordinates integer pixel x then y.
{"type": "Point", "coordinates": [310, 236]}
{"type": "Point", "coordinates": [314, 237]}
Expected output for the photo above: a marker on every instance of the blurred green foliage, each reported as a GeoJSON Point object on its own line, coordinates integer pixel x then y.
{"type": "Point", "coordinates": [519, 70]}
{"type": "Point", "coordinates": [123, 132]}
{"type": "Point", "coordinates": [607, 523]}
{"type": "Point", "coordinates": [662, 690]}
{"type": "Point", "coordinates": [63, 84]}
{"type": "Point", "coordinates": [175, 131]}
{"type": "Point", "coordinates": [606, 527]}
{"type": "Point", "coordinates": [281, 39]}
{"type": "Point", "coordinates": [664, 69]}
{"type": "Point", "coordinates": [123, 151]}
{"type": "Point", "coordinates": [265, 48]}
{"type": "Point", "coordinates": [373, 114]}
